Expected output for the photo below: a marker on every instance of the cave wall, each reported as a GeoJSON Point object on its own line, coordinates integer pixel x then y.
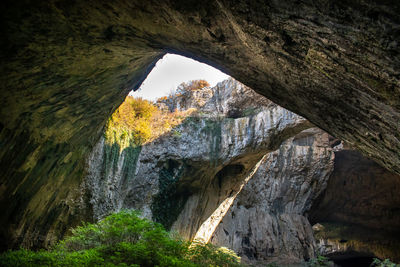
{"type": "Point", "coordinates": [65, 66]}
{"type": "Point", "coordinates": [359, 211]}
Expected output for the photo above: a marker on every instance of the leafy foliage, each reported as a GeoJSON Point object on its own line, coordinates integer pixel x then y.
{"type": "Point", "coordinates": [191, 86]}
{"type": "Point", "coordinates": [167, 204]}
{"type": "Point", "coordinates": [184, 89]}
{"type": "Point", "coordinates": [130, 123]}
{"type": "Point", "coordinates": [384, 263]}
{"type": "Point", "coordinates": [210, 255]}
{"type": "Point", "coordinates": [319, 261]}
{"type": "Point", "coordinates": [138, 121]}
{"type": "Point", "coordinates": [122, 239]}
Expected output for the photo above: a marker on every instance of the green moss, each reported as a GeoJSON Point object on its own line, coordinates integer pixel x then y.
{"type": "Point", "coordinates": [250, 111]}
{"type": "Point", "coordinates": [111, 157]}
{"type": "Point", "coordinates": [168, 203]}
{"type": "Point", "coordinates": [130, 161]}
{"type": "Point", "coordinates": [112, 154]}
{"type": "Point", "coordinates": [176, 133]}
{"type": "Point", "coordinates": [214, 130]}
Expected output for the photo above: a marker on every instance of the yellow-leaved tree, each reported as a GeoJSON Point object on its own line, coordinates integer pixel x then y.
{"type": "Point", "coordinates": [138, 121]}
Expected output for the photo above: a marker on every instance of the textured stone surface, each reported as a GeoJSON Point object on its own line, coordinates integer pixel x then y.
{"type": "Point", "coordinates": [65, 66]}
{"type": "Point", "coordinates": [361, 206]}
{"type": "Point", "coordinates": [346, 241]}
{"type": "Point", "coordinates": [182, 177]}
{"type": "Point", "coordinates": [267, 221]}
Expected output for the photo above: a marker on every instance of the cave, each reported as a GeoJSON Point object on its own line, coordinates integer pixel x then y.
{"type": "Point", "coordinates": [352, 259]}
{"type": "Point", "coordinates": [67, 66]}
{"type": "Point", "coordinates": [358, 213]}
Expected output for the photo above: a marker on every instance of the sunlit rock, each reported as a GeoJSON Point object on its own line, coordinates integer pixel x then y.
{"type": "Point", "coordinates": [267, 222]}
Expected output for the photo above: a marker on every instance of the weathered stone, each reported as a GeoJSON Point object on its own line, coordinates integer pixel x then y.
{"type": "Point", "coordinates": [267, 222]}
{"type": "Point", "coordinates": [182, 177]}
{"type": "Point", "coordinates": [359, 209]}
{"type": "Point", "coordinates": [346, 241]}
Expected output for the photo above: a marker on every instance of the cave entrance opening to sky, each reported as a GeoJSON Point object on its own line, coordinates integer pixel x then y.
{"type": "Point", "coordinates": [172, 70]}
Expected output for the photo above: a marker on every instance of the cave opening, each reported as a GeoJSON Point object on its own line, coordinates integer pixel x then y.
{"type": "Point", "coordinates": [364, 261]}
{"type": "Point", "coordinates": [161, 81]}
{"type": "Point", "coordinates": [171, 71]}
{"type": "Point", "coordinates": [352, 259]}
{"type": "Point", "coordinates": [67, 67]}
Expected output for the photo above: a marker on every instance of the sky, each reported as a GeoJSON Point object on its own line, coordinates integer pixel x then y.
{"type": "Point", "coordinates": [172, 70]}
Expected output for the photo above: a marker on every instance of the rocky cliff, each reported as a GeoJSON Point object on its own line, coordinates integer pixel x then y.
{"type": "Point", "coordinates": [244, 173]}
{"type": "Point", "coordinates": [267, 222]}
{"type": "Point", "coordinates": [215, 177]}
{"type": "Point", "coordinates": [181, 178]}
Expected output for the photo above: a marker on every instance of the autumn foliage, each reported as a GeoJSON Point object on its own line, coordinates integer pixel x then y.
{"type": "Point", "coordinates": [183, 90]}
{"type": "Point", "coordinates": [138, 121]}
{"type": "Point", "coordinates": [191, 86]}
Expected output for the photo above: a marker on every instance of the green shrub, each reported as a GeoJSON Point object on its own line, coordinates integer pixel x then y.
{"type": "Point", "coordinates": [24, 257]}
{"type": "Point", "coordinates": [384, 263]}
{"type": "Point", "coordinates": [210, 255]}
{"type": "Point", "coordinates": [122, 239]}
{"type": "Point", "coordinates": [319, 261]}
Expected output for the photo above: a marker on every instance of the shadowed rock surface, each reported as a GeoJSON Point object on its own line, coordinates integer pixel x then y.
{"type": "Point", "coordinates": [65, 66]}
{"type": "Point", "coordinates": [359, 211]}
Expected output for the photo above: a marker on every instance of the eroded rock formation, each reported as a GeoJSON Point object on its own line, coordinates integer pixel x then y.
{"type": "Point", "coordinates": [359, 211]}
{"type": "Point", "coordinates": [267, 221]}
{"type": "Point", "coordinates": [181, 178]}
{"type": "Point", "coordinates": [65, 66]}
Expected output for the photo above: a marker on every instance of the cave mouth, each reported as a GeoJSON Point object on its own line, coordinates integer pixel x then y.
{"type": "Point", "coordinates": [229, 172]}
{"type": "Point", "coordinates": [354, 261]}
{"type": "Point", "coordinates": [351, 259]}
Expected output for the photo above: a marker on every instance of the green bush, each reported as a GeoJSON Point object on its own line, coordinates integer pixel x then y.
{"type": "Point", "coordinates": [319, 261]}
{"type": "Point", "coordinates": [122, 239]}
{"type": "Point", "coordinates": [210, 255]}
{"type": "Point", "coordinates": [384, 263]}
{"type": "Point", "coordinates": [24, 257]}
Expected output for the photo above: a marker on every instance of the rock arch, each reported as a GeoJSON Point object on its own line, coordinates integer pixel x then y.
{"type": "Point", "coordinates": [66, 66]}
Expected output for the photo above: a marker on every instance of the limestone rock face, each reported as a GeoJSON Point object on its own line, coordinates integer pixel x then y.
{"type": "Point", "coordinates": [359, 209]}
{"type": "Point", "coordinates": [182, 177]}
{"type": "Point", "coordinates": [339, 240]}
{"type": "Point", "coordinates": [267, 221]}
{"type": "Point", "coordinates": [230, 99]}
{"type": "Point", "coordinates": [65, 67]}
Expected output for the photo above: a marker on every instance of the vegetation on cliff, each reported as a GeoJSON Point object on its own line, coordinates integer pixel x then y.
{"type": "Point", "coordinates": [184, 88]}
{"type": "Point", "coordinates": [183, 91]}
{"type": "Point", "coordinates": [123, 239]}
{"type": "Point", "coordinates": [384, 263]}
{"type": "Point", "coordinates": [168, 204]}
{"type": "Point", "coordinates": [138, 121]}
